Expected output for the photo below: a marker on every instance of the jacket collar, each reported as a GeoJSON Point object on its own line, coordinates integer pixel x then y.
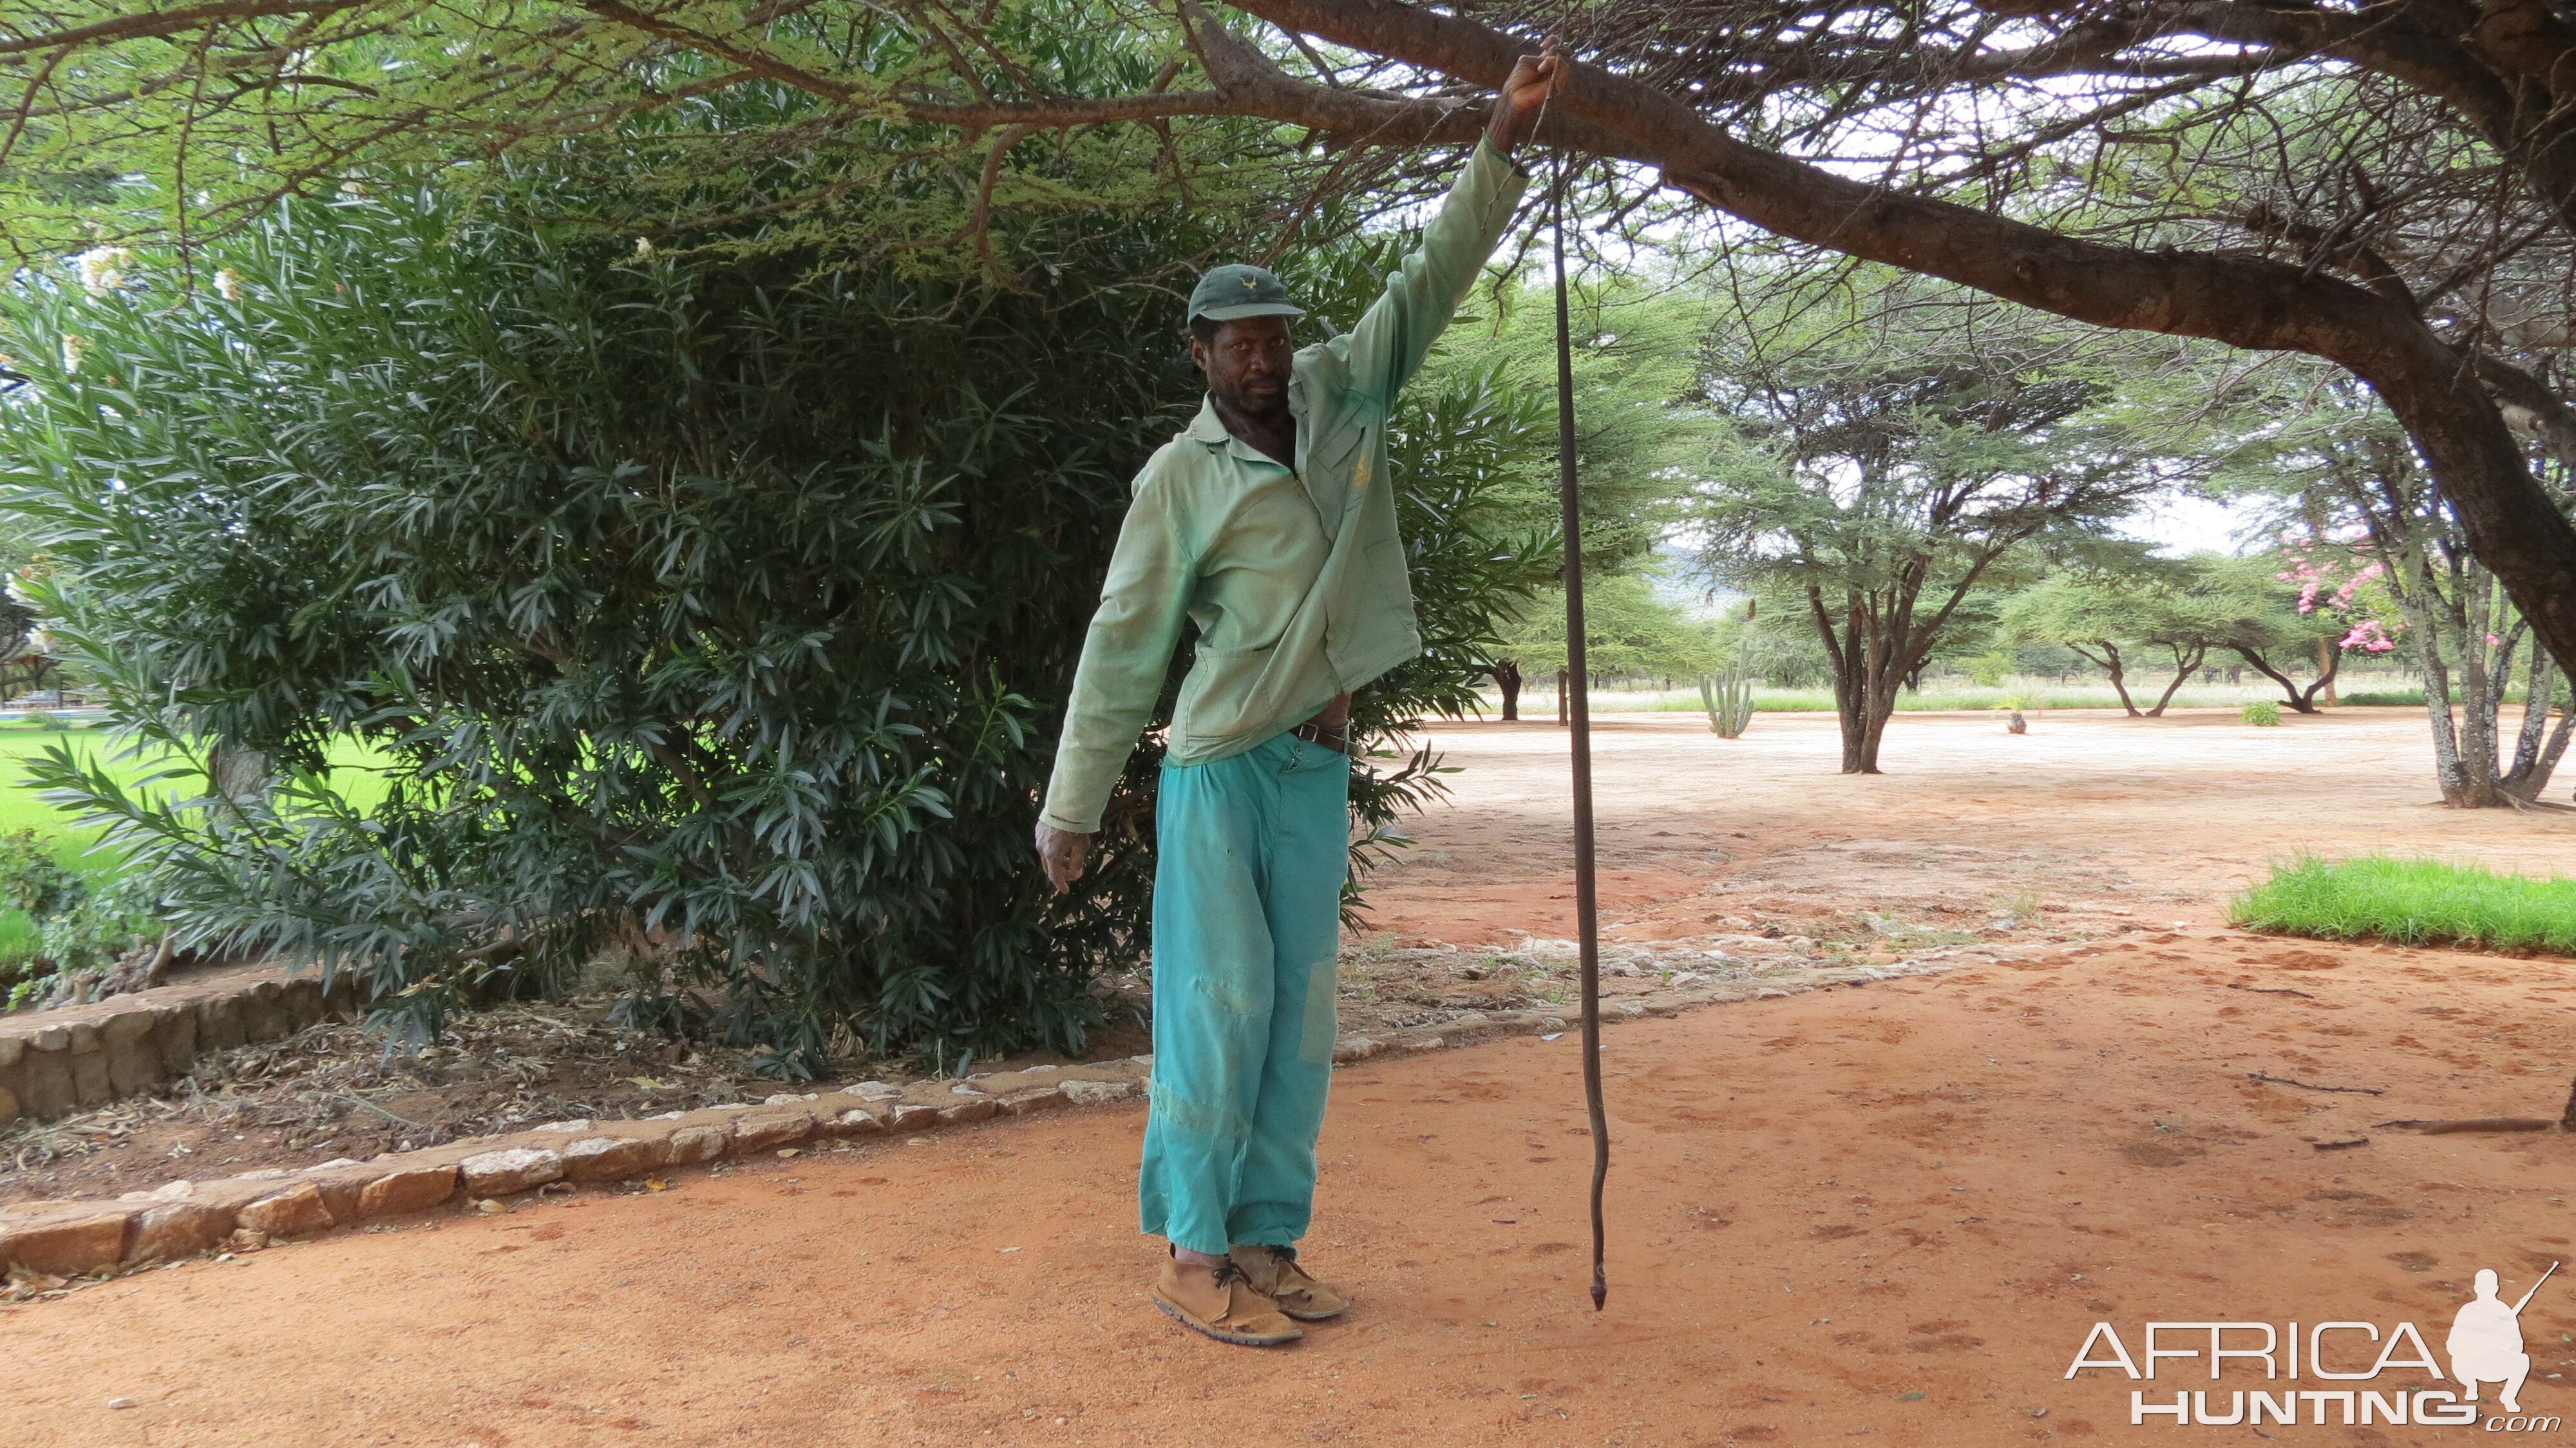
{"type": "Point", "coordinates": [1207, 427]}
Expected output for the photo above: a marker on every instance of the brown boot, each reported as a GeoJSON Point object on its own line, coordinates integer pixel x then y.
{"type": "Point", "coordinates": [1275, 1274]}
{"type": "Point", "coordinates": [1220, 1302]}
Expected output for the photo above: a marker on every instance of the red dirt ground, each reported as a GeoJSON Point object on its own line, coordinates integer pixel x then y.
{"type": "Point", "coordinates": [1890, 1212]}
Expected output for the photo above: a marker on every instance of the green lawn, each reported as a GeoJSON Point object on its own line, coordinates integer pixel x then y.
{"type": "Point", "coordinates": [23, 808]}
{"type": "Point", "coordinates": [2411, 902]}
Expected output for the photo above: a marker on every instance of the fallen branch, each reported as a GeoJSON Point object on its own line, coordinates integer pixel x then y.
{"type": "Point", "coordinates": [2483, 1123]}
{"type": "Point", "coordinates": [2271, 990]}
{"type": "Point", "coordinates": [2341, 1145]}
{"type": "Point", "coordinates": [2307, 1086]}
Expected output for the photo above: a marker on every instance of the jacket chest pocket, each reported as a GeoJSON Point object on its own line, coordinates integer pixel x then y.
{"type": "Point", "coordinates": [1342, 454]}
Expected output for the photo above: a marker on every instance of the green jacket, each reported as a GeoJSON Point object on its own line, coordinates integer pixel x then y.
{"type": "Point", "coordinates": [1296, 579]}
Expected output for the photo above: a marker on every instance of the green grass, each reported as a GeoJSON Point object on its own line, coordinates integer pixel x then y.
{"type": "Point", "coordinates": [2411, 902]}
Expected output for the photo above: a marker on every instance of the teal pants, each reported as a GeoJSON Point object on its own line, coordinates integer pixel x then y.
{"type": "Point", "coordinates": [1251, 852]}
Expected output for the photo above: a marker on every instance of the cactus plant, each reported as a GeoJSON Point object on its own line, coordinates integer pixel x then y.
{"type": "Point", "coordinates": [1728, 696]}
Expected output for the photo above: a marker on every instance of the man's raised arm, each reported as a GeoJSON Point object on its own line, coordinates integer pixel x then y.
{"type": "Point", "coordinates": [1387, 347]}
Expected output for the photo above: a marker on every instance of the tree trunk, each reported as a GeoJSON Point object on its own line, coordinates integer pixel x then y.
{"type": "Point", "coordinates": [2183, 665]}
{"type": "Point", "coordinates": [2110, 664]}
{"type": "Point", "coordinates": [2329, 660]}
{"type": "Point", "coordinates": [2538, 748]}
{"type": "Point", "coordinates": [2303, 701]}
{"type": "Point", "coordinates": [1507, 677]}
{"type": "Point", "coordinates": [1560, 696]}
{"type": "Point", "coordinates": [1863, 708]}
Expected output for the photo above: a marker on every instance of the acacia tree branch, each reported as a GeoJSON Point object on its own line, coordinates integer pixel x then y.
{"type": "Point", "coordinates": [171, 22]}
{"type": "Point", "coordinates": [2511, 522]}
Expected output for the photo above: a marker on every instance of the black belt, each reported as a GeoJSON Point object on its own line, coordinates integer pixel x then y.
{"type": "Point", "coordinates": [1339, 741]}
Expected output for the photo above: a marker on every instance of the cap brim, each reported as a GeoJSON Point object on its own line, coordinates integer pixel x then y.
{"type": "Point", "coordinates": [1250, 309]}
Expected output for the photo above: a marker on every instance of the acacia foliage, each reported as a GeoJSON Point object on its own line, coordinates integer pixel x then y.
{"type": "Point", "coordinates": [1877, 475]}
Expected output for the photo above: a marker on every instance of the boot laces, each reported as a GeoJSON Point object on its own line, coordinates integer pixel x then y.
{"type": "Point", "coordinates": [1228, 1272]}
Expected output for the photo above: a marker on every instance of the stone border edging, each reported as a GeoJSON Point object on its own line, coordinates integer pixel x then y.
{"type": "Point", "coordinates": [184, 1218]}
{"type": "Point", "coordinates": [55, 1062]}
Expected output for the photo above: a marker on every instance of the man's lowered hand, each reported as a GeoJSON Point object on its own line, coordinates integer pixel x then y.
{"type": "Point", "coordinates": [1062, 852]}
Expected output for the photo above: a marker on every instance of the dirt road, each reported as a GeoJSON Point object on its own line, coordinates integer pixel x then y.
{"type": "Point", "coordinates": [1890, 1213]}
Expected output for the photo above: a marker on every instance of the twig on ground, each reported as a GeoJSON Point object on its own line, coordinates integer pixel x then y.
{"type": "Point", "coordinates": [371, 1106]}
{"type": "Point", "coordinates": [2341, 1145]}
{"type": "Point", "coordinates": [2271, 990]}
{"type": "Point", "coordinates": [2311, 1086]}
{"type": "Point", "coordinates": [2481, 1123]}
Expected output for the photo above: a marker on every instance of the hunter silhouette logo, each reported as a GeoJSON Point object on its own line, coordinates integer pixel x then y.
{"type": "Point", "coordinates": [2484, 1346]}
{"type": "Point", "coordinates": [2486, 1341]}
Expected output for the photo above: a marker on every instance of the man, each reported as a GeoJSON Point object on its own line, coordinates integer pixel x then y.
{"type": "Point", "coordinates": [1270, 523]}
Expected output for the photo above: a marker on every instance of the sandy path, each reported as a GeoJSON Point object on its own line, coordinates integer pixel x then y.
{"type": "Point", "coordinates": [2175, 813]}
{"type": "Point", "coordinates": [1823, 1206]}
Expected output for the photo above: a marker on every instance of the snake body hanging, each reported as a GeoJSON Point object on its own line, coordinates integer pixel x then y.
{"type": "Point", "coordinates": [1579, 725]}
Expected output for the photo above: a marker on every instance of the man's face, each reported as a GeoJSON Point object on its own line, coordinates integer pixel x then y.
{"type": "Point", "coordinates": [1247, 364]}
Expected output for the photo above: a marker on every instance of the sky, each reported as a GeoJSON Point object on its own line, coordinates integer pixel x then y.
{"type": "Point", "coordinates": [2184, 525]}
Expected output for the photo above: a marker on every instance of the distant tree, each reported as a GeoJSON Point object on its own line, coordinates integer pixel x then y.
{"type": "Point", "coordinates": [1633, 342]}
{"type": "Point", "coordinates": [2089, 616]}
{"type": "Point", "coordinates": [2181, 610]}
{"type": "Point", "coordinates": [1628, 628]}
{"type": "Point", "coordinates": [1882, 470]}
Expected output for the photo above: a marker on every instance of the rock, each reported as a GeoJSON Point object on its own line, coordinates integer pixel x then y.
{"type": "Point", "coordinates": [913, 1118]}
{"type": "Point", "coordinates": [614, 1158]}
{"type": "Point", "coordinates": [90, 1086]}
{"type": "Point", "coordinates": [175, 1037]}
{"type": "Point", "coordinates": [219, 1023]}
{"type": "Point", "coordinates": [11, 1048]}
{"type": "Point", "coordinates": [169, 1231]}
{"type": "Point", "coordinates": [872, 1089]}
{"type": "Point", "coordinates": [1353, 1048]}
{"type": "Point", "coordinates": [1029, 1103]}
{"type": "Point", "coordinates": [123, 1403]}
{"type": "Point", "coordinates": [298, 1211]}
{"type": "Point", "coordinates": [513, 1169]}
{"type": "Point", "coordinates": [768, 1129]}
{"type": "Point", "coordinates": [1146, 1061]}
{"type": "Point", "coordinates": [965, 1111]}
{"type": "Point", "coordinates": [858, 1121]}
{"type": "Point", "coordinates": [1097, 1093]}
{"type": "Point", "coordinates": [696, 1143]}
{"type": "Point", "coordinates": [407, 1189]}
{"type": "Point", "coordinates": [566, 1126]}
{"type": "Point", "coordinates": [65, 1246]}
{"type": "Point", "coordinates": [8, 1106]}
{"type": "Point", "coordinates": [133, 1056]}
{"type": "Point", "coordinates": [45, 1077]}
{"type": "Point", "coordinates": [246, 1240]}
{"type": "Point", "coordinates": [787, 1098]}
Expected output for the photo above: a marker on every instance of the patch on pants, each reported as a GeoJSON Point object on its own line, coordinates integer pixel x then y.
{"type": "Point", "coordinates": [1323, 1016]}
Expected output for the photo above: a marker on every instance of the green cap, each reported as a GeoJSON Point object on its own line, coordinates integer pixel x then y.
{"type": "Point", "coordinates": [1231, 293]}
